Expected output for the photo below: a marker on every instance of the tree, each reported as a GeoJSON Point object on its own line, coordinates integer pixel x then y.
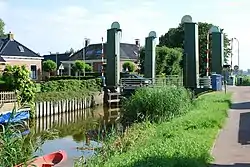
{"type": "Point", "coordinates": [167, 60]}
{"type": "Point", "coordinates": [80, 66]}
{"type": "Point", "coordinates": [71, 50]}
{"type": "Point", "coordinates": [175, 37]}
{"type": "Point", "coordinates": [2, 24]}
{"type": "Point", "coordinates": [128, 65]}
{"type": "Point", "coordinates": [18, 79]}
{"type": "Point", "coordinates": [49, 66]}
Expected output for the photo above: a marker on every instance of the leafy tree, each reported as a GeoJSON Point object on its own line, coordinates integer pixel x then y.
{"type": "Point", "coordinates": [71, 50]}
{"type": "Point", "coordinates": [167, 60]}
{"type": "Point", "coordinates": [128, 65]}
{"type": "Point", "coordinates": [18, 79]}
{"type": "Point", "coordinates": [49, 66]}
{"type": "Point", "coordinates": [2, 34]}
{"type": "Point", "coordinates": [175, 37]}
{"type": "Point", "coordinates": [80, 67]}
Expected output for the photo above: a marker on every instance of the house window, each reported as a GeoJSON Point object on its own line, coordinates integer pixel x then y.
{"type": "Point", "coordinates": [21, 49]}
{"type": "Point", "coordinates": [33, 71]}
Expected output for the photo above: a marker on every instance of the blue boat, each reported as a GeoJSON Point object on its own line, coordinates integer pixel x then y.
{"type": "Point", "coordinates": [17, 117]}
{"type": "Point", "coordinates": [24, 133]}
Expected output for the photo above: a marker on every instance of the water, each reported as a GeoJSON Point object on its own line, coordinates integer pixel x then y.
{"type": "Point", "coordinates": [71, 129]}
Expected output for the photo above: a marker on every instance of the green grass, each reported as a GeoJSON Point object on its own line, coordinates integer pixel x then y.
{"type": "Point", "coordinates": [184, 141]}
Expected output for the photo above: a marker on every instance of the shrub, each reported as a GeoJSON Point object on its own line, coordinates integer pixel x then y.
{"type": "Point", "coordinates": [18, 79]}
{"type": "Point", "coordinates": [156, 104]}
{"type": "Point", "coordinates": [80, 66]}
{"type": "Point", "coordinates": [4, 86]}
{"type": "Point", "coordinates": [49, 66]}
{"type": "Point", "coordinates": [71, 85]}
{"type": "Point", "coordinates": [129, 65]}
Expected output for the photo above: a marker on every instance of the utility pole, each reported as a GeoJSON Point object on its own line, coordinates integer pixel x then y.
{"type": "Point", "coordinates": [238, 51]}
{"type": "Point", "coordinates": [231, 56]}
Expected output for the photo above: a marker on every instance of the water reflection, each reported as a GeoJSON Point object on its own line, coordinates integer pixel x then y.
{"type": "Point", "coordinates": [72, 128]}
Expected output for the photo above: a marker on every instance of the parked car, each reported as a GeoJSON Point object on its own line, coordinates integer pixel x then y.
{"type": "Point", "coordinates": [133, 79]}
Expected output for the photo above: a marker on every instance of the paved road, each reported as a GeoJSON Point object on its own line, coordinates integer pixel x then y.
{"type": "Point", "coordinates": [232, 147]}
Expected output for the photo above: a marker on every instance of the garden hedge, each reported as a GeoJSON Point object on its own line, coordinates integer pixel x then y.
{"type": "Point", "coordinates": [71, 85]}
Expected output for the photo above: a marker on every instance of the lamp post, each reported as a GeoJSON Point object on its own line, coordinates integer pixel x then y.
{"type": "Point", "coordinates": [238, 51]}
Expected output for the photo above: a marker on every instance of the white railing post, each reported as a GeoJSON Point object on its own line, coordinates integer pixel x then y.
{"type": "Point", "coordinates": [7, 97]}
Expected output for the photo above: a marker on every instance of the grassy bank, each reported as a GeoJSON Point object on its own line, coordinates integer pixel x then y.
{"type": "Point", "coordinates": [184, 141]}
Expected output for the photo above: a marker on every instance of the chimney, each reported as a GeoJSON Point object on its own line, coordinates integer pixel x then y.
{"type": "Point", "coordinates": [137, 42]}
{"type": "Point", "coordinates": [86, 42]}
{"type": "Point", "coordinates": [11, 36]}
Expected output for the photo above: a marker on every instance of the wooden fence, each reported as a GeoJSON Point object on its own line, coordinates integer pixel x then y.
{"type": "Point", "coordinates": [48, 108]}
{"type": "Point", "coordinates": [7, 97]}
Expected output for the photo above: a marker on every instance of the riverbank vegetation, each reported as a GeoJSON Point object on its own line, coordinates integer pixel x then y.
{"type": "Point", "coordinates": [67, 89]}
{"type": "Point", "coordinates": [156, 104]}
{"type": "Point", "coordinates": [16, 147]}
{"type": "Point", "coordinates": [184, 140]}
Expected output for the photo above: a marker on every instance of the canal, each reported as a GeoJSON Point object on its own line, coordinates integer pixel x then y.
{"type": "Point", "coordinates": [71, 129]}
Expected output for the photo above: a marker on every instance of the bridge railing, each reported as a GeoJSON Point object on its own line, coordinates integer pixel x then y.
{"type": "Point", "coordinates": [205, 82]}
{"type": "Point", "coordinates": [139, 82]}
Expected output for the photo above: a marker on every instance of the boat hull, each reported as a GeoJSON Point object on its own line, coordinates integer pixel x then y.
{"type": "Point", "coordinates": [48, 160]}
{"type": "Point", "coordinates": [17, 117]}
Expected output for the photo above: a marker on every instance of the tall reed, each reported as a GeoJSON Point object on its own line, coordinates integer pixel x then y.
{"type": "Point", "coordinates": [156, 104]}
{"type": "Point", "coordinates": [16, 148]}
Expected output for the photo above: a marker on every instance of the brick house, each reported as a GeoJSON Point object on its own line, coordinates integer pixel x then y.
{"type": "Point", "coordinates": [14, 53]}
{"type": "Point", "coordinates": [93, 55]}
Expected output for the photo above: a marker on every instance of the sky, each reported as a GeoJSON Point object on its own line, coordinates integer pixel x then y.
{"type": "Point", "coordinates": [58, 25]}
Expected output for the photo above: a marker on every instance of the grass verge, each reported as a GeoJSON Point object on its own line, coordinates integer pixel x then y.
{"type": "Point", "coordinates": [184, 141]}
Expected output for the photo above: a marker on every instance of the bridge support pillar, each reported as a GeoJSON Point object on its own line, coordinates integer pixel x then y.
{"type": "Point", "coordinates": [149, 63]}
{"type": "Point", "coordinates": [191, 53]}
{"type": "Point", "coordinates": [113, 59]}
{"type": "Point", "coordinates": [217, 52]}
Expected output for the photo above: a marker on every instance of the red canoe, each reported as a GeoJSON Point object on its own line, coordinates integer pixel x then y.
{"type": "Point", "coordinates": [48, 160]}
